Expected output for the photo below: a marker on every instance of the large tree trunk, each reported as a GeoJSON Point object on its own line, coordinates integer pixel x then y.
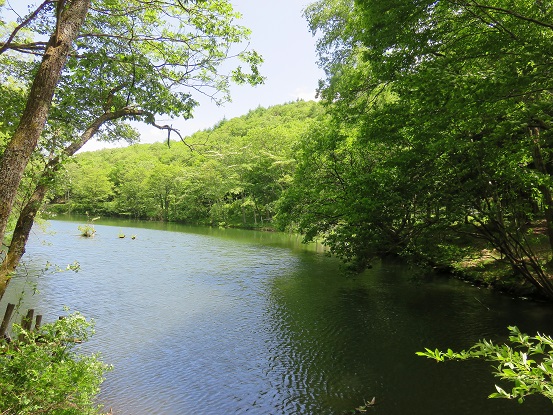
{"type": "Point", "coordinates": [22, 231]}
{"type": "Point", "coordinates": [24, 141]}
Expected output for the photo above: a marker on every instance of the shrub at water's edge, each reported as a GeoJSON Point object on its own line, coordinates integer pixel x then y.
{"type": "Point", "coordinates": [87, 231]}
{"type": "Point", "coordinates": [42, 372]}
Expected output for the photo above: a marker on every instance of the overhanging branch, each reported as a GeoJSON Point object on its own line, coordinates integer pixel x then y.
{"type": "Point", "coordinates": [170, 130]}
{"type": "Point", "coordinates": [510, 13]}
{"type": "Point", "coordinates": [6, 45]}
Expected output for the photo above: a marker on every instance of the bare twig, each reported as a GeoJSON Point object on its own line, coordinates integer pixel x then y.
{"type": "Point", "coordinates": [6, 45]}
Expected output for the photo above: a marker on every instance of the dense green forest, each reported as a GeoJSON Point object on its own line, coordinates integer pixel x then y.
{"type": "Point", "coordinates": [432, 140]}
{"type": "Point", "coordinates": [437, 144]}
{"type": "Point", "coordinates": [230, 175]}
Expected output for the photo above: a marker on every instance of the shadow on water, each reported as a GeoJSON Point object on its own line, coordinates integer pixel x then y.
{"type": "Point", "coordinates": [355, 339]}
{"type": "Point", "coordinates": [209, 321]}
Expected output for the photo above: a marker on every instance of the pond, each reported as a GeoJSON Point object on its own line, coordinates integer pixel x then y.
{"type": "Point", "coordinates": [222, 321]}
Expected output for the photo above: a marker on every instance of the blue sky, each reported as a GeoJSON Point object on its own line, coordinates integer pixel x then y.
{"type": "Point", "coordinates": [281, 35]}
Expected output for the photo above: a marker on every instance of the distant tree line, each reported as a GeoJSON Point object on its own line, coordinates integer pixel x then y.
{"type": "Point", "coordinates": [432, 139]}
{"type": "Point", "coordinates": [230, 175]}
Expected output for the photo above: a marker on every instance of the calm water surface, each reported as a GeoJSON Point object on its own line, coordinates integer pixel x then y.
{"type": "Point", "coordinates": [204, 321]}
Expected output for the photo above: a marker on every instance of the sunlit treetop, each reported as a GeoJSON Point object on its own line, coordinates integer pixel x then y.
{"type": "Point", "coordinates": [144, 59]}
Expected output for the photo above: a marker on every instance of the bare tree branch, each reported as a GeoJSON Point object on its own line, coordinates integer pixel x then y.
{"type": "Point", "coordinates": [6, 45]}
{"type": "Point", "coordinates": [170, 130]}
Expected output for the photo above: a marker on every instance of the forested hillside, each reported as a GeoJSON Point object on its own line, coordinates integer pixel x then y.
{"type": "Point", "coordinates": [230, 175]}
{"type": "Point", "coordinates": [432, 141]}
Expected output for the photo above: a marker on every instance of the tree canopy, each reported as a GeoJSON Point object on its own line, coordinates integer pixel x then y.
{"type": "Point", "coordinates": [438, 129]}
{"type": "Point", "coordinates": [230, 175]}
{"type": "Point", "coordinates": [71, 70]}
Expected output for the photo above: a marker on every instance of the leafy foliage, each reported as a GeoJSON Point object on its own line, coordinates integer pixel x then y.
{"type": "Point", "coordinates": [87, 230]}
{"type": "Point", "coordinates": [106, 63]}
{"type": "Point", "coordinates": [527, 364]}
{"type": "Point", "coordinates": [230, 175]}
{"type": "Point", "coordinates": [438, 129]}
{"type": "Point", "coordinates": [42, 371]}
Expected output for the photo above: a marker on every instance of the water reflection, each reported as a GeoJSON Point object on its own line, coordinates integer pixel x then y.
{"type": "Point", "coordinates": [342, 341]}
{"type": "Point", "coordinates": [210, 321]}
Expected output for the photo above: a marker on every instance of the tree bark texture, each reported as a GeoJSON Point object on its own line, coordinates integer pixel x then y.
{"type": "Point", "coordinates": [34, 117]}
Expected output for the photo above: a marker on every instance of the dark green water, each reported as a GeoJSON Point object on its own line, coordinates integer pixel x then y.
{"type": "Point", "coordinates": [209, 321]}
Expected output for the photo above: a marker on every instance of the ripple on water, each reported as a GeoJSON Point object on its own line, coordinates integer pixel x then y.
{"type": "Point", "coordinates": [198, 324]}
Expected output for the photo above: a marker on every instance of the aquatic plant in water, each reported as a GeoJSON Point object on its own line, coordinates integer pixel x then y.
{"type": "Point", "coordinates": [87, 230]}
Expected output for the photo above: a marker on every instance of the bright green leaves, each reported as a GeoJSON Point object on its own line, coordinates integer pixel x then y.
{"type": "Point", "coordinates": [440, 111]}
{"type": "Point", "coordinates": [527, 364]}
{"type": "Point", "coordinates": [153, 57]}
{"type": "Point", "coordinates": [237, 173]}
{"type": "Point", "coordinates": [163, 52]}
{"type": "Point", "coordinates": [254, 60]}
{"type": "Point", "coordinates": [44, 373]}
{"type": "Point", "coordinates": [90, 186]}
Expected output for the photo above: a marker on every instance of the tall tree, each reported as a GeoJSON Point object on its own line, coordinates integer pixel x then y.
{"type": "Point", "coordinates": [67, 22]}
{"type": "Point", "coordinates": [467, 119]}
{"type": "Point", "coordinates": [131, 60]}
